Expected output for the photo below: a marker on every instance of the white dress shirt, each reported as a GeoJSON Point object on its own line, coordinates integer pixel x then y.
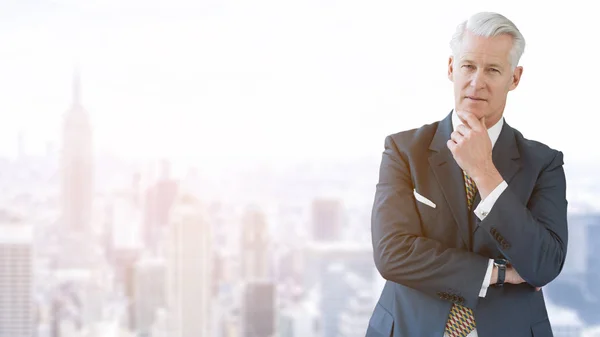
{"type": "Point", "coordinates": [485, 206]}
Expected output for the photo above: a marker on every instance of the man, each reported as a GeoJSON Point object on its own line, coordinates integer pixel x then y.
{"type": "Point", "coordinates": [470, 218]}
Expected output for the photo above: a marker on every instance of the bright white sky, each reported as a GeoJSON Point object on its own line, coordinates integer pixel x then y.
{"type": "Point", "coordinates": [293, 79]}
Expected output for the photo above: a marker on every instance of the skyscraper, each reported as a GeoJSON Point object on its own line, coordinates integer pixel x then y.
{"type": "Point", "coordinates": [255, 245]}
{"type": "Point", "coordinates": [16, 279]}
{"type": "Point", "coordinates": [258, 309]}
{"type": "Point", "coordinates": [189, 268]}
{"type": "Point", "coordinates": [327, 220]}
{"type": "Point", "coordinates": [77, 164]}
{"type": "Point", "coordinates": [148, 294]}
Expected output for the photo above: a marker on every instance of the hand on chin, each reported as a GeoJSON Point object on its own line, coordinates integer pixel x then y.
{"type": "Point", "coordinates": [478, 113]}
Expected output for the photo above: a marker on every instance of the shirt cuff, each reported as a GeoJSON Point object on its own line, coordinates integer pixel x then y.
{"type": "Point", "coordinates": [485, 206]}
{"type": "Point", "coordinates": [487, 279]}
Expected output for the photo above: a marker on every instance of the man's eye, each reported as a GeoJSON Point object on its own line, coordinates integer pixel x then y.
{"type": "Point", "coordinates": [468, 66]}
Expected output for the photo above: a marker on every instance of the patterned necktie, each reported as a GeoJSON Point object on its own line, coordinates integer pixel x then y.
{"type": "Point", "coordinates": [461, 320]}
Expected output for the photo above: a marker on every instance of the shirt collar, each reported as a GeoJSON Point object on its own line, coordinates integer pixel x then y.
{"type": "Point", "coordinates": [493, 132]}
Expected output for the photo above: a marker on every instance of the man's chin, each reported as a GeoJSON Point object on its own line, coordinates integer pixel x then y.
{"type": "Point", "coordinates": [478, 113]}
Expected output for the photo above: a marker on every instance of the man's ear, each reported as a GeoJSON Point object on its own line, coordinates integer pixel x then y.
{"type": "Point", "coordinates": [516, 78]}
{"type": "Point", "coordinates": [451, 68]}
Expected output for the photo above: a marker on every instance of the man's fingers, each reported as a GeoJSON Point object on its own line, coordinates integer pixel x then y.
{"type": "Point", "coordinates": [451, 145]}
{"type": "Point", "coordinates": [538, 288]}
{"type": "Point", "coordinates": [456, 137]}
{"type": "Point", "coordinates": [463, 130]}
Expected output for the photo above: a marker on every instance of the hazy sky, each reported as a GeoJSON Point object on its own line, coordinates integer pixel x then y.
{"type": "Point", "coordinates": [250, 79]}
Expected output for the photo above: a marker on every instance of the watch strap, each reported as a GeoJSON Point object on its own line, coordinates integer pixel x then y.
{"type": "Point", "coordinates": [501, 275]}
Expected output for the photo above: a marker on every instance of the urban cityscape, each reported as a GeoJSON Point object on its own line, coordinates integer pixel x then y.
{"type": "Point", "coordinates": [208, 168]}
{"type": "Point", "coordinates": [98, 246]}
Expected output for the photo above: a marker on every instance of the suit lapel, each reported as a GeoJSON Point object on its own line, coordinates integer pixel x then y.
{"type": "Point", "coordinates": [448, 174]}
{"type": "Point", "coordinates": [505, 154]}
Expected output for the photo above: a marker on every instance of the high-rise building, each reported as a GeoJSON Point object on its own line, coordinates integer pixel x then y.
{"type": "Point", "coordinates": [327, 220]}
{"type": "Point", "coordinates": [158, 202]}
{"type": "Point", "coordinates": [16, 280]}
{"type": "Point", "coordinates": [189, 268]}
{"type": "Point", "coordinates": [148, 293]}
{"type": "Point", "coordinates": [77, 165]}
{"type": "Point", "coordinates": [258, 309]}
{"type": "Point", "coordinates": [577, 256]}
{"type": "Point", "coordinates": [299, 320]}
{"type": "Point", "coordinates": [354, 320]}
{"type": "Point", "coordinates": [255, 245]}
{"type": "Point", "coordinates": [319, 256]}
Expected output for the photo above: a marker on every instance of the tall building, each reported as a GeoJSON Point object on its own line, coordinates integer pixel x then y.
{"type": "Point", "coordinates": [16, 280]}
{"type": "Point", "coordinates": [327, 220]}
{"type": "Point", "coordinates": [255, 245]}
{"type": "Point", "coordinates": [299, 320]}
{"type": "Point", "coordinates": [354, 320]}
{"type": "Point", "coordinates": [319, 256]}
{"type": "Point", "coordinates": [77, 164]}
{"type": "Point", "coordinates": [576, 263]}
{"type": "Point", "coordinates": [148, 293]}
{"type": "Point", "coordinates": [158, 201]}
{"type": "Point", "coordinates": [189, 268]}
{"type": "Point", "coordinates": [575, 288]}
{"type": "Point", "coordinates": [258, 309]}
{"type": "Point", "coordinates": [335, 293]}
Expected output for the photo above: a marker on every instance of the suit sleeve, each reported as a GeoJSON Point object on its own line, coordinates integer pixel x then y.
{"type": "Point", "coordinates": [403, 254]}
{"type": "Point", "coordinates": [533, 237]}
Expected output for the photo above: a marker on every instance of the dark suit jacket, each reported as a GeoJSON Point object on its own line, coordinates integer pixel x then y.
{"type": "Point", "coordinates": [432, 257]}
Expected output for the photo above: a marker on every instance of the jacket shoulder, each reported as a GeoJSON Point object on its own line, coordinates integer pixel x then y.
{"type": "Point", "coordinates": [417, 139]}
{"type": "Point", "coordinates": [536, 150]}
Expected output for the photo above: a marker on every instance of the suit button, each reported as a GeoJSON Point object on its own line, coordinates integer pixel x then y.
{"type": "Point", "coordinates": [505, 246]}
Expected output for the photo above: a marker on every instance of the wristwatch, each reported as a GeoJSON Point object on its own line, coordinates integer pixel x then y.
{"type": "Point", "coordinates": [501, 265]}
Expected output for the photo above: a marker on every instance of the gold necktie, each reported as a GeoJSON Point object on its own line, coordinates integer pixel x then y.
{"type": "Point", "coordinates": [461, 320]}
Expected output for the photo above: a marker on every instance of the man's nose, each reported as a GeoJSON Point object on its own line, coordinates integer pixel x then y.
{"type": "Point", "coordinates": [478, 79]}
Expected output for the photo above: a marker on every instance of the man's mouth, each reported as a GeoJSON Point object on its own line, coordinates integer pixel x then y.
{"type": "Point", "coordinates": [474, 98]}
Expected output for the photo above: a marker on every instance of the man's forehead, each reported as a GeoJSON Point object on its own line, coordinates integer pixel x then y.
{"type": "Point", "coordinates": [488, 59]}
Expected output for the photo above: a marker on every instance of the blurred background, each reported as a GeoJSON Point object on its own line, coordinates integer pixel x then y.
{"type": "Point", "coordinates": [207, 168]}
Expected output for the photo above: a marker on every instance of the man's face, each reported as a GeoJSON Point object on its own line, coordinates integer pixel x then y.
{"type": "Point", "coordinates": [482, 75]}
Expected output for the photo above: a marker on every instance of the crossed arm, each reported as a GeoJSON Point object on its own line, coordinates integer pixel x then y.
{"type": "Point", "coordinates": [537, 233]}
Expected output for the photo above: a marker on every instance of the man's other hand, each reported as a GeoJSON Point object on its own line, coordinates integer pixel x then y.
{"type": "Point", "coordinates": [512, 277]}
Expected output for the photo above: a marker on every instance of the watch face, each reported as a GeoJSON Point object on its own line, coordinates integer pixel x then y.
{"type": "Point", "coordinates": [501, 262]}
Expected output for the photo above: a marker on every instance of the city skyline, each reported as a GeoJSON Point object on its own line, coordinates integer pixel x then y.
{"type": "Point", "coordinates": [208, 168]}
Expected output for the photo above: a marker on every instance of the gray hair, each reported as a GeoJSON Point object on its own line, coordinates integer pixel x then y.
{"type": "Point", "coordinates": [489, 24]}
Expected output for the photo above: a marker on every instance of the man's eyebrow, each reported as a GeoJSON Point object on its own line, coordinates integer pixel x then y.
{"type": "Point", "coordinates": [489, 65]}
{"type": "Point", "coordinates": [495, 65]}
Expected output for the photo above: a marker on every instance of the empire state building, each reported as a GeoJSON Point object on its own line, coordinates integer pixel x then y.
{"type": "Point", "coordinates": [76, 165]}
